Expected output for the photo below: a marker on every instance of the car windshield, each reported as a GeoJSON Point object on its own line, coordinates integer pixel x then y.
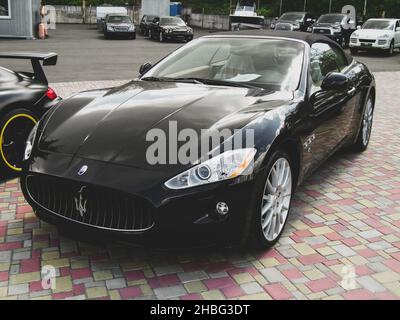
{"type": "Point", "coordinates": [245, 8]}
{"type": "Point", "coordinates": [150, 18]}
{"type": "Point", "coordinates": [172, 22]}
{"type": "Point", "coordinates": [331, 18]}
{"type": "Point", "coordinates": [266, 63]}
{"type": "Point", "coordinates": [292, 16]}
{"type": "Point", "coordinates": [119, 19]}
{"type": "Point", "coordinates": [378, 24]}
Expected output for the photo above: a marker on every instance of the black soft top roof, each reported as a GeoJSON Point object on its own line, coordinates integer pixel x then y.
{"type": "Point", "coordinates": [307, 37]}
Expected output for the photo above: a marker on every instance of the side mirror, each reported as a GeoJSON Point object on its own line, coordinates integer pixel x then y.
{"type": "Point", "coordinates": [145, 67]}
{"type": "Point", "coordinates": [335, 81]}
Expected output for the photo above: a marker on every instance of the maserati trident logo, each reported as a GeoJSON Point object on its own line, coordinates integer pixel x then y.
{"type": "Point", "coordinates": [80, 202]}
{"type": "Point", "coordinates": [83, 170]}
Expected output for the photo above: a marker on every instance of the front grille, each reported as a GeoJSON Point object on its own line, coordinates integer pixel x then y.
{"type": "Point", "coordinates": [91, 205]}
{"type": "Point", "coordinates": [283, 26]}
{"type": "Point", "coordinates": [381, 42]}
{"type": "Point", "coordinates": [322, 31]}
{"type": "Point", "coordinates": [368, 40]}
{"type": "Point", "coordinates": [353, 40]}
{"type": "Point", "coordinates": [121, 28]}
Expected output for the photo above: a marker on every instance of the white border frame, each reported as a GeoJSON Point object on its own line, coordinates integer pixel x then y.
{"type": "Point", "coordinates": [9, 12]}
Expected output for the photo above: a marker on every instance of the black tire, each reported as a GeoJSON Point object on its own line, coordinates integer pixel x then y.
{"type": "Point", "coordinates": [389, 52]}
{"type": "Point", "coordinates": [362, 142]}
{"type": "Point", "coordinates": [11, 151]}
{"type": "Point", "coordinates": [150, 34]}
{"type": "Point", "coordinates": [253, 235]}
{"type": "Point", "coordinates": [353, 51]}
{"type": "Point", "coordinates": [133, 36]}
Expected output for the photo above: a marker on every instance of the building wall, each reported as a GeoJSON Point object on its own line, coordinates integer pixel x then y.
{"type": "Point", "coordinates": [22, 22]}
{"type": "Point", "coordinates": [155, 7]}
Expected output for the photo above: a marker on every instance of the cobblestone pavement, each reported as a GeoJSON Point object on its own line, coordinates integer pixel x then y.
{"type": "Point", "coordinates": [345, 219]}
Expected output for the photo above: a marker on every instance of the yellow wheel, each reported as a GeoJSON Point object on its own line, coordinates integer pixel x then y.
{"type": "Point", "coordinates": [15, 128]}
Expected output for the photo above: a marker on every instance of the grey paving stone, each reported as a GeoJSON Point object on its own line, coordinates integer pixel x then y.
{"type": "Point", "coordinates": [170, 292]}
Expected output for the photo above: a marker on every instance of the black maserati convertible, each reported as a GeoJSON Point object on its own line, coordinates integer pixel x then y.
{"type": "Point", "coordinates": [115, 162]}
{"type": "Point", "coordinates": [24, 98]}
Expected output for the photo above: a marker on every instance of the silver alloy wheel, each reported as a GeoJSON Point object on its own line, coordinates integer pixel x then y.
{"type": "Point", "coordinates": [276, 199]}
{"type": "Point", "coordinates": [367, 122]}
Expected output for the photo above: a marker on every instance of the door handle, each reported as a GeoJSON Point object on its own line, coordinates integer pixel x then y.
{"type": "Point", "coordinates": [352, 90]}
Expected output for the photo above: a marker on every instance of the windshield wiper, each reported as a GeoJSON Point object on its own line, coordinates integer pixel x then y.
{"type": "Point", "coordinates": [202, 81]}
{"type": "Point", "coordinates": [218, 82]}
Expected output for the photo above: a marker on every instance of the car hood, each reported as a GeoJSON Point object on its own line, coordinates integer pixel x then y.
{"type": "Point", "coordinates": [111, 125]}
{"type": "Point", "coordinates": [372, 33]}
{"type": "Point", "coordinates": [120, 24]}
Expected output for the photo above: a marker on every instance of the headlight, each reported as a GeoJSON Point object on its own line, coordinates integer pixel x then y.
{"type": "Point", "coordinates": [189, 30]}
{"type": "Point", "coordinates": [384, 36]}
{"type": "Point", "coordinates": [109, 28]}
{"type": "Point", "coordinates": [132, 28]}
{"type": "Point", "coordinates": [29, 142]}
{"type": "Point", "coordinates": [225, 166]}
{"type": "Point", "coordinates": [309, 29]}
{"type": "Point", "coordinates": [296, 26]}
{"type": "Point", "coordinates": [354, 35]}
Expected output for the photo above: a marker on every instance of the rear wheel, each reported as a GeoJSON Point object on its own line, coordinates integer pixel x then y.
{"type": "Point", "coordinates": [15, 128]}
{"type": "Point", "coordinates": [271, 202]}
{"type": "Point", "coordinates": [364, 134]}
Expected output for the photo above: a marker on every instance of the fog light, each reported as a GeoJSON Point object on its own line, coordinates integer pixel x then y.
{"type": "Point", "coordinates": [222, 208]}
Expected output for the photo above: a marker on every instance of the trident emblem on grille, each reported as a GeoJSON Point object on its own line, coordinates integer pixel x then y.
{"type": "Point", "coordinates": [80, 203]}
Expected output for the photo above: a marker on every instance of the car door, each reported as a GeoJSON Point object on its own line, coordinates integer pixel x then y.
{"type": "Point", "coordinates": [397, 34]}
{"type": "Point", "coordinates": [331, 110]}
{"type": "Point", "coordinates": [143, 24]}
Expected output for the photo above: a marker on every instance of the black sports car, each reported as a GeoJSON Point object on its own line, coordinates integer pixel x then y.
{"type": "Point", "coordinates": [126, 161]}
{"type": "Point", "coordinates": [169, 28]}
{"type": "Point", "coordinates": [24, 98]}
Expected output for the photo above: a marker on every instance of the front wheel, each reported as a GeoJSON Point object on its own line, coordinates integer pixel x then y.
{"type": "Point", "coordinates": [364, 134]}
{"type": "Point", "coordinates": [389, 52]}
{"type": "Point", "coordinates": [15, 128]}
{"type": "Point", "coordinates": [271, 202]}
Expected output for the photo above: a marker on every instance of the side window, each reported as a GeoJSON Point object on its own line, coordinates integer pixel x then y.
{"type": "Point", "coordinates": [325, 59]}
{"type": "Point", "coordinates": [397, 24]}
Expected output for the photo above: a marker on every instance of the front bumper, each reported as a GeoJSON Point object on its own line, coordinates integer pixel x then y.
{"type": "Point", "coordinates": [378, 44]}
{"type": "Point", "coordinates": [190, 213]}
{"type": "Point", "coordinates": [177, 36]}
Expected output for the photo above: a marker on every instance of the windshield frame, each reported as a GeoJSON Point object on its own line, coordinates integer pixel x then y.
{"type": "Point", "coordinates": [301, 15]}
{"type": "Point", "coordinates": [343, 16]}
{"type": "Point", "coordinates": [180, 24]}
{"type": "Point", "coordinates": [303, 78]}
{"type": "Point", "coordinates": [123, 18]}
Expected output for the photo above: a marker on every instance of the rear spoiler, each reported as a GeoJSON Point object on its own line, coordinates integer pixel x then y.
{"type": "Point", "coordinates": [48, 59]}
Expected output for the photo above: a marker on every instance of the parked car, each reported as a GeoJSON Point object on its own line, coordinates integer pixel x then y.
{"type": "Point", "coordinates": [119, 25]}
{"type": "Point", "coordinates": [24, 98]}
{"type": "Point", "coordinates": [144, 24]}
{"type": "Point", "coordinates": [103, 10]}
{"type": "Point", "coordinates": [87, 166]}
{"type": "Point", "coordinates": [170, 28]}
{"type": "Point", "coordinates": [376, 34]}
{"type": "Point", "coordinates": [294, 21]}
{"type": "Point", "coordinates": [337, 26]}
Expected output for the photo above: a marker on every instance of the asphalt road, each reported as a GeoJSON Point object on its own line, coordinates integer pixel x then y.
{"type": "Point", "coordinates": [84, 54]}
